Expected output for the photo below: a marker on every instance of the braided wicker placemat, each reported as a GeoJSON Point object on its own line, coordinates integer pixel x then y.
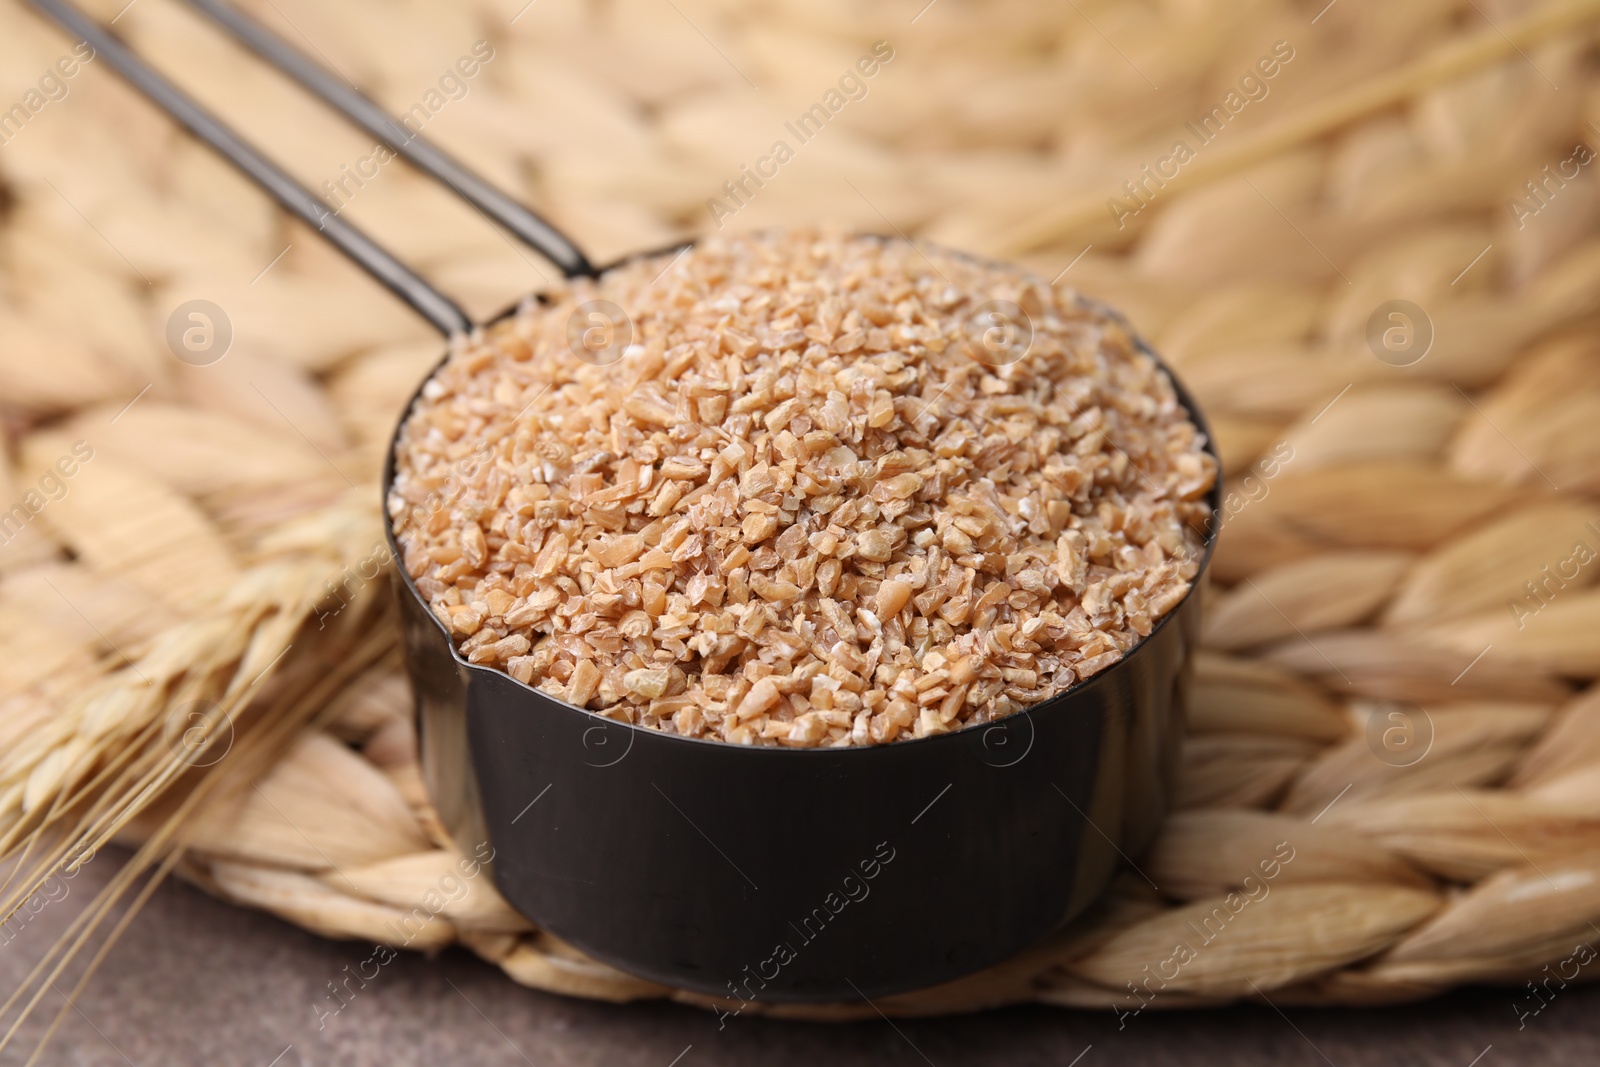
{"type": "Point", "coordinates": [1375, 260]}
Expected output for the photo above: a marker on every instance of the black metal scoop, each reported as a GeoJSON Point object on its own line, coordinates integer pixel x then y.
{"type": "Point", "coordinates": [749, 873]}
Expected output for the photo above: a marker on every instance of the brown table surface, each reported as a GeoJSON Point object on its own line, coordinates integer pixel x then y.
{"type": "Point", "coordinates": [196, 981]}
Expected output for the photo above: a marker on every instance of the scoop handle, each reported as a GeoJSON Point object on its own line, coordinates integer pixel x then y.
{"type": "Point", "coordinates": [299, 201]}
{"type": "Point", "coordinates": [344, 98]}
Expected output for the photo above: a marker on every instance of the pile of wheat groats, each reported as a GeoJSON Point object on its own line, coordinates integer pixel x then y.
{"type": "Point", "coordinates": [802, 488]}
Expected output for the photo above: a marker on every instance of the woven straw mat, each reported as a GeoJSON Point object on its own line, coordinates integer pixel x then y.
{"type": "Point", "coordinates": [1402, 628]}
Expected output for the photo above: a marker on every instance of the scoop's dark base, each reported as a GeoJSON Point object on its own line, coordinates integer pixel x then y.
{"type": "Point", "coordinates": [699, 864]}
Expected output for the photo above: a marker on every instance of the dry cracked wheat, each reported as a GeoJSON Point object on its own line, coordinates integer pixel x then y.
{"type": "Point", "coordinates": [803, 507]}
